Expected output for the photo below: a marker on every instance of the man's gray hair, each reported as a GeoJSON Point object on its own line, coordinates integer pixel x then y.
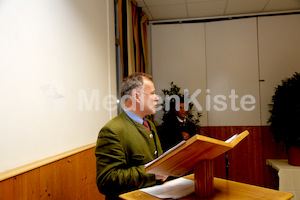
{"type": "Point", "coordinates": [132, 82]}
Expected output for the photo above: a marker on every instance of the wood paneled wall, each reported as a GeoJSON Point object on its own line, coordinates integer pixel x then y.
{"type": "Point", "coordinates": [247, 161]}
{"type": "Point", "coordinates": [73, 177]}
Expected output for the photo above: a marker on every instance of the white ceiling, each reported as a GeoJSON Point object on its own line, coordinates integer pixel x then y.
{"type": "Point", "coordinates": [183, 9]}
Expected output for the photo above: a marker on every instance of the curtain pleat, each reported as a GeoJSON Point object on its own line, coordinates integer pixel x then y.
{"type": "Point", "coordinates": [144, 38]}
{"type": "Point", "coordinates": [133, 24]}
{"type": "Point", "coordinates": [131, 54]}
{"type": "Point", "coordinates": [140, 24]}
{"type": "Point", "coordinates": [122, 9]}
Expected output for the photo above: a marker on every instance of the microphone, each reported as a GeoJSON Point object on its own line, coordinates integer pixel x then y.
{"type": "Point", "coordinates": [185, 120]}
{"type": "Point", "coordinates": [197, 126]}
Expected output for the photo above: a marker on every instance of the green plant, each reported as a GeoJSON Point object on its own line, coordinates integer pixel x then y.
{"type": "Point", "coordinates": [285, 112]}
{"type": "Point", "coordinates": [175, 90]}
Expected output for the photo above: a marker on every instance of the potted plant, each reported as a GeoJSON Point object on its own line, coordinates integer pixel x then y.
{"type": "Point", "coordinates": [179, 122]}
{"type": "Point", "coordinates": [175, 90]}
{"type": "Point", "coordinates": [285, 116]}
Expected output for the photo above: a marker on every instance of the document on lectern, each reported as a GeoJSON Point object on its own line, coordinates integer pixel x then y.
{"type": "Point", "coordinates": [182, 158]}
{"type": "Point", "coordinates": [166, 153]}
{"type": "Point", "coordinates": [231, 138]}
{"type": "Point", "coordinates": [173, 189]}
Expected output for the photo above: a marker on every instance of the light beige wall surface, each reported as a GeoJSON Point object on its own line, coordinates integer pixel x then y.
{"type": "Point", "coordinates": [178, 55]}
{"type": "Point", "coordinates": [232, 72]}
{"type": "Point", "coordinates": [279, 50]}
{"type": "Point", "coordinates": [57, 64]}
{"type": "Point", "coordinates": [250, 56]}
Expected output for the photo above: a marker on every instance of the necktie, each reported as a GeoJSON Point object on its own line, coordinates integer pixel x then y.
{"type": "Point", "coordinates": [146, 124]}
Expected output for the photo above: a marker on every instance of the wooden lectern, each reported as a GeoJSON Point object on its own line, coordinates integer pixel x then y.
{"type": "Point", "coordinates": [224, 190]}
{"type": "Point", "coordinates": [196, 154]}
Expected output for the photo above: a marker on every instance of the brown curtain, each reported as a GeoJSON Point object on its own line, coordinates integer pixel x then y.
{"type": "Point", "coordinates": [144, 37]}
{"type": "Point", "coordinates": [140, 43]}
{"type": "Point", "coordinates": [133, 24]}
{"type": "Point", "coordinates": [122, 13]}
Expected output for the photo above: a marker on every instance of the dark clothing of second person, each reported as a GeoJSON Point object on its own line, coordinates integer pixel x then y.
{"type": "Point", "coordinates": [170, 132]}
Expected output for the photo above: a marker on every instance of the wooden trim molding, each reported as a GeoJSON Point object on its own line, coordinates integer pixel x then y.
{"type": "Point", "coordinates": [19, 170]}
{"type": "Point", "coordinates": [77, 168]}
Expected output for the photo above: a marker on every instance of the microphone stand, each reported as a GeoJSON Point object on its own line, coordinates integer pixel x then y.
{"type": "Point", "coordinates": [227, 166]}
{"type": "Point", "coordinates": [226, 154]}
{"type": "Point", "coordinates": [201, 129]}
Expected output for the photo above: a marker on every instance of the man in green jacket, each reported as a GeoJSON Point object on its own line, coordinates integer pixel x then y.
{"type": "Point", "coordinates": [125, 143]}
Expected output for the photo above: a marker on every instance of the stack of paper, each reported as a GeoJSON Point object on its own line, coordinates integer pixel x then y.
{"type": "Point", "coordinates": [174, 189]}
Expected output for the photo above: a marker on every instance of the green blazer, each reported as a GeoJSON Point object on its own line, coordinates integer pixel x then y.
{"type": "Point", "coordinates": [122, 149]}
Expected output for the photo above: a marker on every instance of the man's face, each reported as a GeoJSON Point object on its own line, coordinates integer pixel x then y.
{"type": "Point", "coordinates": [181, 113]}
{"type": "Point", "coordinates": [148, 99]}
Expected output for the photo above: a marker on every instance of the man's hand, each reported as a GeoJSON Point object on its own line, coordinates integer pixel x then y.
{"type": "Point", "coordinates": [185, 135]}
{"type": "Point", "coordinates": [161, 177]}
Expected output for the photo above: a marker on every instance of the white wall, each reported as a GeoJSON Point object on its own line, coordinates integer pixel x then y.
{"type": "Point", "coordinates": [232, 71]}
{"type": "Point", "coordinates": [180, 58]}
{"type": "Point", "coordinates": [250, 55]}
{"type": "Point", "coordinates": [54, 56]}
{"type": "Point", "coordinates": [279, 48]}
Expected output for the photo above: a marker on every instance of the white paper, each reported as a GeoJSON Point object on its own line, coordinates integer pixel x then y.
{"type": "Point", "coordinates": [164, 154]}
{"type": "Point", "coordinates": [174, 189]}
{"type": "Point", "coordinates": [231, 139]}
